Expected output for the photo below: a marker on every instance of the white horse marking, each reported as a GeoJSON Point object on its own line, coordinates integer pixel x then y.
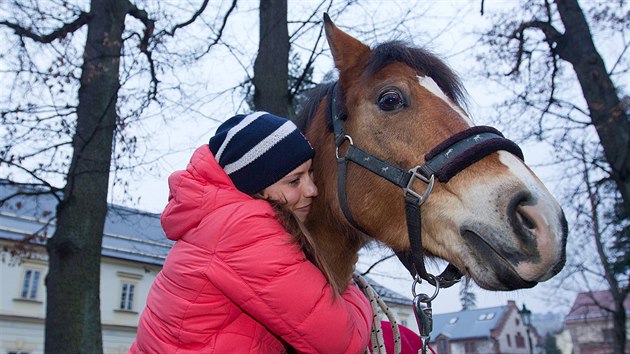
{"type": "Point", "coordinates": [428, 83]}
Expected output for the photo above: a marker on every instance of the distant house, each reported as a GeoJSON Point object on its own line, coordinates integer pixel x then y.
{"type": "Point", "coordinates": [488, 330]}
{"type": "Point", "coordinates": [590, 323]}
{"type": "Point", "coordinates": [134, 249]}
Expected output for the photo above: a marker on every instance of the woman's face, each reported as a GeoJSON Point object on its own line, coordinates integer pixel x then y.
{"type": "Point", "coordinates": [296, 190]}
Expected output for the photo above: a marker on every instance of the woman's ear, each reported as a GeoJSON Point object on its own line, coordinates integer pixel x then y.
{"type": "Point", "coordinates": [260, 195]}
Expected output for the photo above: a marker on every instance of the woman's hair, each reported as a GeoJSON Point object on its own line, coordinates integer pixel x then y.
{"type": "Point", "coordinates": [304, 240]}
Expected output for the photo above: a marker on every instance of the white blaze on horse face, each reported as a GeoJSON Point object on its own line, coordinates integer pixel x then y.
{"type": "Point", "coordinates": [428, 83]}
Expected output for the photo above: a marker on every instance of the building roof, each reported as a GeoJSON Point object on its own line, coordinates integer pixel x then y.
{"type": "Point", "coordinates": [594, 305]}
{"type": "Point", "coordinates": [129, 234]}
{"type": "Point", "coordinates": [476, 323]}
{"type": "Point", "coordinates": [387, 294]}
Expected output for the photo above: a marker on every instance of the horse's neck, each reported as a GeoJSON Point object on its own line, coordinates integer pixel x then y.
{"type": "Point", "coordinates": [337, 243]}
{"type": "Point", "coordinates": [337, 246]}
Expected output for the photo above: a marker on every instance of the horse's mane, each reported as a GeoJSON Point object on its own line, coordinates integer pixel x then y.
{"type": "Point", "coordinates": [421, 60]}
{"type": "Point", "coordinates": [313, 97]}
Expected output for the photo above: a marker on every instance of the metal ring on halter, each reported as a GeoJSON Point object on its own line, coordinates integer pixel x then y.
{"type": "Point", "coordinates": [345, 137]}
{"type": "Point", "coordinates": [417, 280]}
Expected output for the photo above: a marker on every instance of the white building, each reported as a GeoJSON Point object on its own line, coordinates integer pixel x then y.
{"type": "Point", "coordinates": [590, 322]}
{"type": "Point", "coordinates": [134, 248]}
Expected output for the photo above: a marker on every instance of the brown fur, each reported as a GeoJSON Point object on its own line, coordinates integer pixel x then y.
{"type": "Point", "coordinates": [402, 137]}
{"type": "Point", "coordinates": [399, 65]}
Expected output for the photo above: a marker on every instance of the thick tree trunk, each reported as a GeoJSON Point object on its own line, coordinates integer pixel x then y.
{"type": "Point", "coordinates": [73, 320]}
{"type": "Point", "coordinates": [608, 114]}
{"type": "Point", "coordinates": [619, 326]}
{"type": "Point", "coordinates": [271, 69]}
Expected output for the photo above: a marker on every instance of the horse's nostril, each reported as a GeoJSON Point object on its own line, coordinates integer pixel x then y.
{"type": "Point", "coordinates": [524, 218]}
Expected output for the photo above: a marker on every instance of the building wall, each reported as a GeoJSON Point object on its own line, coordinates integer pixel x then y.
{"type": "Point", "coordinates": [22, 320]}
{"type": "Point", "coordinates": [483, 346]}
{"type": "Point", "coordinates": [404, 315]}
{"type": "Point", "coordinates": [514, 328]}
{"type": "Point", "coordinates": [564, 342]}
{"type": "Point", "coordinates": [594, 336]}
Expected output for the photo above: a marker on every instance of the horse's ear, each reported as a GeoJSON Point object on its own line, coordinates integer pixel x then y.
{"type": "Point", "coordinates": [347, 51]}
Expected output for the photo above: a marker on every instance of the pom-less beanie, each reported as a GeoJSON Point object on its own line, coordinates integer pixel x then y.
{"type": "Point", "coordinates": [258, 149]}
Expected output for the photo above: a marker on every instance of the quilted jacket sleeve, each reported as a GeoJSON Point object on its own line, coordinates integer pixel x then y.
{"type": "Point", "coordinates": [261, 270]}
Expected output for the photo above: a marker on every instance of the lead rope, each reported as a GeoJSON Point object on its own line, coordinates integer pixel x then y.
{"type": "Point", "coordinates": [376, 337]}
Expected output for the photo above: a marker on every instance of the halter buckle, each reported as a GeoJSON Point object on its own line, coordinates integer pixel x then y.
{"type": "Point", "coordinates": [429, 181]}
{"type": "Point", "coordinates": [340, 141]}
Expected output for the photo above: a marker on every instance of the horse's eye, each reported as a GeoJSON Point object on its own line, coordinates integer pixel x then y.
{"type": "Point", "coordinates": [390, 100]}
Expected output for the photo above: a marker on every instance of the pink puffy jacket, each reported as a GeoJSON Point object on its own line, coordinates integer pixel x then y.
{"type": "Point", "coordinates": [234, 282]}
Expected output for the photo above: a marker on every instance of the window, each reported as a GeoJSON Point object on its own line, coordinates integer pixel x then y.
{"type": "Point", "coordinates": [485, 316]}
{"type": "Point", "coordinates": [30, 285]}
{"type": "Point", "coordinates": [128, 288]}
{"type": "Point", "coordinates": [127, 295]}
{"type": "Point", "coordinates": [517, 321]}
{"type": "Point", "coordinates": [442, 346]}
{"type": "Point", "coordinates": [403, 318]}
{"type": "Point", "coordinates": [470, 348]}
{"type": "Point", "coordinates": [509, 340]}
{"type": "Point", "coordinates": [520, 340]}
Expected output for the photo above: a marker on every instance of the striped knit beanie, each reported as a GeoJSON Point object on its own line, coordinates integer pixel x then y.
{"type": "Point", "coordinates": [258, 149]}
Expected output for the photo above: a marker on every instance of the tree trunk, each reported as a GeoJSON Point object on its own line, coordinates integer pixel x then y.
{"type": "Point", "coordinates": [271, 69]}
{"type": "Point", "coordinates": [608, 114]}
{"type": "Point", "coordinates": [73, 320]}
{"type": "Point", "coordinates": [619, 326]}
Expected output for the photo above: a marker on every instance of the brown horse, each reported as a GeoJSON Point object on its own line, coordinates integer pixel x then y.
{"type": "Point", "coordinates": [494, 220]}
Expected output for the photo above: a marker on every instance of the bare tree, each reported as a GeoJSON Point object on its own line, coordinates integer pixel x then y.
{"type": "Point", "coordinates": [537, 47]}
{"type": "Point", "coordinates": [271, 69]}
{"type": "Point", "coordinates": [544, 54]}
{"type": "Point", "coordinates": [64, 118]}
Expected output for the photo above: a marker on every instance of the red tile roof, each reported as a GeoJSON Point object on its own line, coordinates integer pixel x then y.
{"type": "Point", "coordinates": [594, 305]}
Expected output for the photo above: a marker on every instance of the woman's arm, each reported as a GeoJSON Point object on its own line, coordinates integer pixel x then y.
{"type": "Point", "coordinates": [259, 268]}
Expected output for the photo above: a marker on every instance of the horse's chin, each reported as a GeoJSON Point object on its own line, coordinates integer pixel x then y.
{"type": "Point", "coordinates": [493, 271]}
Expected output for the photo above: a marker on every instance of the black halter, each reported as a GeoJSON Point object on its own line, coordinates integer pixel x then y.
{"type": "Point", "coordinates": [442, 163]}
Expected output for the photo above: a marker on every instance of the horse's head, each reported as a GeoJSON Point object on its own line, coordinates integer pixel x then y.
{"type": "Point", "coordinates": [494, 220]}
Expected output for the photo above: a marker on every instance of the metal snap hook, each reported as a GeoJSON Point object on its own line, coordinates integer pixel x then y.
{"type": "Point", "coordinates": [425, 298]}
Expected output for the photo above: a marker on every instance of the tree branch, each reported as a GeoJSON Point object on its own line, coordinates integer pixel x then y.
{"type": "Point", "coordinates": [552, 35]}
{"type": "Point", "coordinates": [220, 33]}
{"type": "Point", "coordinates": [59, 33]}
{"type": "Point", "coordinates": [603, 258]}
{"type": "Point", "coordinates": [191, 20]}
{"type": "Point", "coordinates": [54, 191]}
{"type": "Point", "coordinates": [149, 27]}
{"type": "Point", "coordinates": [377, 263]}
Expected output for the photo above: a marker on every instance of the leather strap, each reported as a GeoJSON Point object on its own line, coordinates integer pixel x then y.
{"type": "Point", "coordinates": [444, 161]}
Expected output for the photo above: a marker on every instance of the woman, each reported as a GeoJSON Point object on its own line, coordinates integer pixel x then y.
{"type": "Point", "coordinates": [236, 281]}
